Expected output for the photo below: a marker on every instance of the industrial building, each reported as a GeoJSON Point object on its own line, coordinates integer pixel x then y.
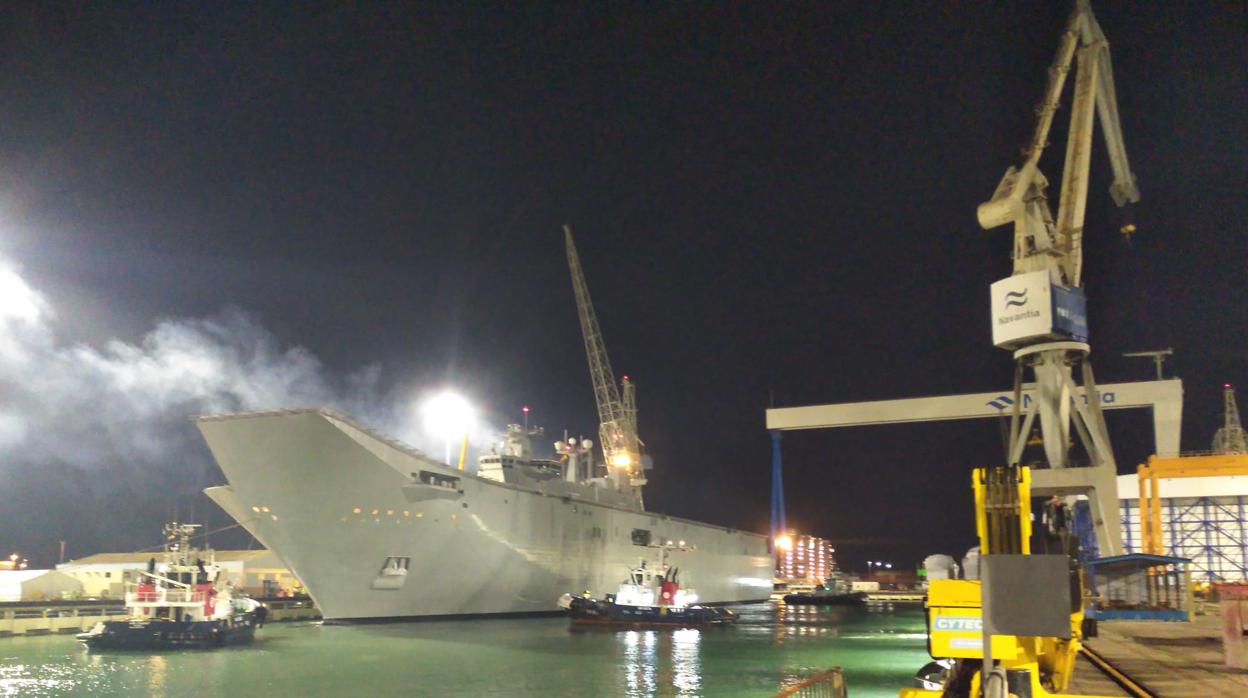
{"type": "Point", "coordinates": [1202, 519]}
{"type": "Point", "coordinates": [36, 585]}
{"type": "Point", "coordinates": [257, 571]}
{"type": "Point", "coordinates": [1196, 503]}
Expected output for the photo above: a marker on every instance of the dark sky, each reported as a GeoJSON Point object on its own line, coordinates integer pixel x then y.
{"type": "Point", "coordinates": [769, 199]}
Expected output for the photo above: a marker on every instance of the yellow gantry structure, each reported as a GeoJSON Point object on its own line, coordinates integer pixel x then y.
{"type": "Point", "coordinates": [1158, 469]}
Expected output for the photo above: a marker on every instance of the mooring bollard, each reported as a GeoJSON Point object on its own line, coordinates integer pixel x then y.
{"type": "Point", "coordinates": [1233, 603]}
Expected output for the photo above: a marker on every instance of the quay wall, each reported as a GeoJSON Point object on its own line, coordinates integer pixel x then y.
{"type": "Point", "coordinates": [55, 617]}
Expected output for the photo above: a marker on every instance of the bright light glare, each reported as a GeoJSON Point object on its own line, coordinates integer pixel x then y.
{"type": "Point", "coordinates": [18, 301]}
{"type": "Point", "coordinates": [448, 415]}
{"type": "Point", "coordinates": [621, 460]}
{"type": "Point", "coordinates": [784, 542]}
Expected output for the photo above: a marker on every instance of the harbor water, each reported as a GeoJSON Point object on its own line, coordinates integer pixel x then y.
{"type": "Point", "coordinates": [769, 649]}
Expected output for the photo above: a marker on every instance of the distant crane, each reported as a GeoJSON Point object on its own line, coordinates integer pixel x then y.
{"type": "Point", "coordinates": [617, 405]}
{"type": "Point", "coordinates": [1230, 439]}
{"type": "Point", "coordinates": [1040, 312]}
{"type": "Point", "coordinates": [1157, 355]}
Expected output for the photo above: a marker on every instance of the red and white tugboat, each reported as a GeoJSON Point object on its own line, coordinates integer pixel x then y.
{"type": "Point", "coordinates": [651, 596]}
{"type": "Point", "coordinates": [183, 603]}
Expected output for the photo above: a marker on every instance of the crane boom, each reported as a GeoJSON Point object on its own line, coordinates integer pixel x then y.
{"type": "Point", "coordinates": [617, 415]}
{"type": "Point", "coordinates": [1041, 243]}
{"type": "Point", "coordinates": [1123, 189]}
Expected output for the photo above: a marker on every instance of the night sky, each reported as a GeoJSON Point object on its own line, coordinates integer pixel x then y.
{"type": "Point", "coordinates": [773, 202]}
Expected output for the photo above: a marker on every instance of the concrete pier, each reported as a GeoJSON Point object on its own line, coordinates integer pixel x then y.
{"type": "Point", "coordinates": [52, 617]}
{"type": "Point", "coordinates": [41, 618]}
{"type": "Point", "coordinates": [1092, 681]}
{"type": "Point", "coordinates": [1171, 659]}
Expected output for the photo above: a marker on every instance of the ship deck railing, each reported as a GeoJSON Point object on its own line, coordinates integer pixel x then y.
{"type": "Point", "coordinates": [166, 597]}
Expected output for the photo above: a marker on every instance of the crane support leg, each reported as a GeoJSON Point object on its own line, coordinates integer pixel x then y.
{"type": "Point", "coordinates": [778, 524]}
{"type": "Point", "coordinates": [1100, 484]}
{"type": "Point", "coordinates": [1061, 405]}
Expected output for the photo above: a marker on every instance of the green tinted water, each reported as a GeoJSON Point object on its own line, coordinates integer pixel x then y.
{"type": "Point", "coordinates": [767, 650]}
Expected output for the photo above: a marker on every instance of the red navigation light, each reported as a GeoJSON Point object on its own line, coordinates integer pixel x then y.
{"type": "Point", "coordinates": [1226, 385]}
{"type": "Point", "coordinates": [525, 408]}
{"type": "Point", "coordinates": [625, 377]}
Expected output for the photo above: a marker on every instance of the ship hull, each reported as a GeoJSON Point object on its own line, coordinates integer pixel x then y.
{"type": "Point", "coordinates": [375, 530]}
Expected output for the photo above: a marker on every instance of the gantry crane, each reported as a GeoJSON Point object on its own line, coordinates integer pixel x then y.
{"type": "Point", "coordinates": [1040, 311]}
{"type": "Point", "coordinates": [617, 405]}
{"type": "Point", "coordinates": [1228, 457]}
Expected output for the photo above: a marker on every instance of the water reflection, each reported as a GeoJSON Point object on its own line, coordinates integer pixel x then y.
{"type": "Point", "coordinates": [55, 679]}
{"type": "Point", "coordinates": [686, 661]}
{"type": "Point", "coordinates": [638, 664]}
{"type": "Point", "coordinates": [662, 662]}
{"type": "Point", "coordinates": [802, 622]}
{"type": "Point", "coordinates": [156, 674]}
{"type": "Point", "coordinates": [770, 647]}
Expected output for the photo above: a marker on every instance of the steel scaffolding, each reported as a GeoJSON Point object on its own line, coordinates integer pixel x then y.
{"type": "Point", "coordinates": [1210, 531]}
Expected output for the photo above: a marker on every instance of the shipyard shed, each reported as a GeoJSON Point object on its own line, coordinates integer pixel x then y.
{"type": "Point", "coordinates": [258, 572]}
{"type": "Point", "coordinates": [36, 585]}
{"type": "Point", "coordinates": [1203, 519]}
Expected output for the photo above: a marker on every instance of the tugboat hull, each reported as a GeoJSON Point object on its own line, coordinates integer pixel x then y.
{"type": "Point", "coordinates": [852, 599]}
{"type": "Point", "coordinates": [594, 611]}
{"type": "Point", "coordinates": [161, 634]}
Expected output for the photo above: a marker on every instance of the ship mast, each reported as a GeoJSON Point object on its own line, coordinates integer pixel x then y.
{"type": "Point", "coordinates": [617, 410]}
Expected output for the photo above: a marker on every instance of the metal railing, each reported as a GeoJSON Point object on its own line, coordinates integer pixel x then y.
{"type": "Point", "coordinates": [37, 618]}
{"type": "Point", "coordinates": [165, 596]}
{"type": "Point", "coordinates": [38, 611]}
{"type": "Point", "coordinates": [829, 684]}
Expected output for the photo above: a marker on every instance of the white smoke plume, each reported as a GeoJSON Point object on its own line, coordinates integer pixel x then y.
{"type": "Point", "coordinates": [129, 404]}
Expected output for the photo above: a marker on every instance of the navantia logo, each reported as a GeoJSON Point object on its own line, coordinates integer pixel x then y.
{"type": "Point", "coordinates": [1001, 402]}
{"type": "Point", "coordinates": [1016, 298]}
{"type": "Point", "coordinates": [958, 623]}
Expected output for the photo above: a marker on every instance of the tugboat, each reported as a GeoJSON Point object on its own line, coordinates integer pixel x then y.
{"type": "Point", "coordinates": [186, 603]}
{"type": "Point", "coordinates": [836, 591]}
{"type": "Point", "coordinates": [651, 596]}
